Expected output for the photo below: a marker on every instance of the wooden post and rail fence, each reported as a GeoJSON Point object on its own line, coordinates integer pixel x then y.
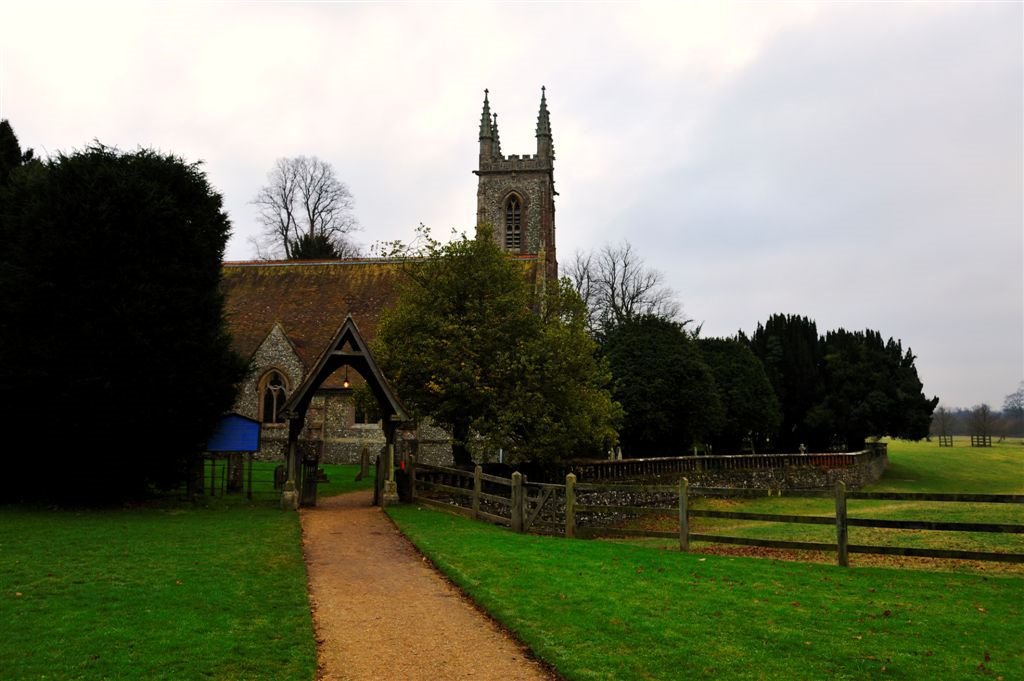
{"type": "Point", "coordinates": [519, 504]}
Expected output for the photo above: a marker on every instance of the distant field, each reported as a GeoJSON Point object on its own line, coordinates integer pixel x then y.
{"type": "Point", "coordinates": [926, 467]}
{"type": "Point", "coordinates": [913, 467]}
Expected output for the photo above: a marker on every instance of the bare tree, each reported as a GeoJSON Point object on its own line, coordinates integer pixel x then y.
{"type": "Point", "coordinates": [617, 286]}
{"type": "Point", "coordinates": [1013, 409]}
{"type": "Point", "coordinates": [981, 420]}
{"type": "Point", "coordinates": [942, 422]}
{"type": "Point", "coordinates": [306, 211]}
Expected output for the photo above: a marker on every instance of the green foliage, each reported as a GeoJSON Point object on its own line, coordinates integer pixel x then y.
{"type": "Point", "coordinates": [788, 348]}
{"type": "Point", "coordinates": [872, 389]}
{"type": "Point", "coordinates": [176, 593]}
{"type": "Point", "coordinates": [751, 409]}
{"type": "Point", "coordinates": [838, 390]}
{"type": "Point", "coordinates": [668, 392]}
{"type": "Point", "coordinates": [600, 610]}
{"type": "Point", "coordinates": [112, 338]}
{"type": "Point", "coordinates": [561, 407]}
{"type": "Point", "coordinates": [313, 247]}
{"type": "Point", "coordinates": [465, 346]}
{"type": "Point", "coordinates": [11, 156]}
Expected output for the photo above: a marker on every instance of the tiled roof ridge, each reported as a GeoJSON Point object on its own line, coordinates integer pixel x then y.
{"type": "Point", "coordinates": [292, 263]}
{"type": "Point", "coordinates": [343, 261]}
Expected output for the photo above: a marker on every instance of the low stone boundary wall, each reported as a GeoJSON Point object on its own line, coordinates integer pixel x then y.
{"type": "Point", "coordinates": [747, 471]}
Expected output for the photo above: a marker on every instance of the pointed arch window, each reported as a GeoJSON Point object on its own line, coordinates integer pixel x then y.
{"type": "Point", "coordinates": [273, 393]}
{"type": "Point", "coordinates": [513, 221]}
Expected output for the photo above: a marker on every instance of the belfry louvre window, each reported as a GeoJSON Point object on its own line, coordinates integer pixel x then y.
{"type": "Point", "coordinates": [274, 396]}
{"type": "Point", "coordinates": [513, 215]}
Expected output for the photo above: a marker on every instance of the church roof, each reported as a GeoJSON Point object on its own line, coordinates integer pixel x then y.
{"type": "Point", "coordinates": [309, 299]}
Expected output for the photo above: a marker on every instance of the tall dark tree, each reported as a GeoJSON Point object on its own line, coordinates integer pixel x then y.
{"type": "Point", "coordinates": [872, 389]}
{"type": "Point", "coordinates": [11, 156]}
{"type": "Point", "coordinates": [842, 388]}
{"type": "Point", "coordinates": [788, 347]}
{"type": "Point", "coordinates": [664, 386]}
{"type": "Point", "coordinates": [752, 413]}
{"type": "Point", "coordinates": [114, 359]}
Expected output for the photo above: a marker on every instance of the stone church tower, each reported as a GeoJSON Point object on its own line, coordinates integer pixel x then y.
{"type": "Point", "coordinates": [516, 194]}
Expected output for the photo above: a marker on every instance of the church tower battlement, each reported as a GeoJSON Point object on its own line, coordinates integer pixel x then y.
{"type": "Point", "coordinates": [516, 193]}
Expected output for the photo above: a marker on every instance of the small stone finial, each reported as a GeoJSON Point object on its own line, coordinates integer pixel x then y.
{"type": "Point", "coordinates": [543, 119]}
{"type": "Point", "coordinates": [497, 137]}
{"type": "Point", "coordinates": [485, 119]}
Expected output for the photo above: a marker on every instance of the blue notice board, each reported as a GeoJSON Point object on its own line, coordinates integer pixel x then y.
{"type": "Point", "coordinates": [235, 433]}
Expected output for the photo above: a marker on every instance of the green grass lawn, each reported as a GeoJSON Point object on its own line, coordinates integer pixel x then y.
{"type": "Point", "coordinates": [913, 467]}
{"type": "Point", "coordinates": [172, 590]}
{"type": "Point", "coordinates": [603, 610]}
{"type": "Point", "coordinates": [340, 479]}
{"type": "Point", "coordinates": [926, 467]}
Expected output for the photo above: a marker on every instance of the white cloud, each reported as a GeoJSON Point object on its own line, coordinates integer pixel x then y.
{"type": "Point", "coordinates": [858, 163]}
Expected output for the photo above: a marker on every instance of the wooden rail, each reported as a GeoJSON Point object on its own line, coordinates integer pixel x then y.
{"type": "Point", "coordinates": [524, 512]}
{"type": "Point", "coordinates": [521, 509]}
{"type": "Point", "coordinates": [841, 519]}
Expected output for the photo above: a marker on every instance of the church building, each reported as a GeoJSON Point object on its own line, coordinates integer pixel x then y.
{"type": "Point", "coordinates": [282, 315]}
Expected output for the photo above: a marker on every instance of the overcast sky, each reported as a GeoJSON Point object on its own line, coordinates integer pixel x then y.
{"type": "Point", "coordinates": [860, 163]}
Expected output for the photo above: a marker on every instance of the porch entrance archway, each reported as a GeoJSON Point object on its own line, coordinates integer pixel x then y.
{"type": "Point", "coordinates": [346, 349]}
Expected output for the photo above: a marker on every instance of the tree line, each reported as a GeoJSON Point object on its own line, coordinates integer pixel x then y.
{"type": "Point", "coordinates": [981, 419]}
{"type": "Point", "coordinates": [784, 388]}
{"type": "Point", "coordinates": [604, 358]}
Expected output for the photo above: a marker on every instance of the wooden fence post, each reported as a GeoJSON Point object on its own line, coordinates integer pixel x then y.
{"type": "Point", "coordinates": [570, 506]}
{"type": "Point", "coordinates": [517, 502]}
{"type": "Point", "coordinates": [684, 514]}
{"type": "Point", "coordinates": [477, 485]}
{"type": "Point", "coordinates": [842, 529]}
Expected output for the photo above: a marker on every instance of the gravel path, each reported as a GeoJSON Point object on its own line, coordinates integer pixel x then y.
{"type": "Point", "coordinates": [382, 612]}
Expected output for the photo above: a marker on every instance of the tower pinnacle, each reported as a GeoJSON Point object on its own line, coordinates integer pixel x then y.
{"type": "Point", "coordinates": [485, 119]}
{"type": "Point", "coordinates": [543, 121]}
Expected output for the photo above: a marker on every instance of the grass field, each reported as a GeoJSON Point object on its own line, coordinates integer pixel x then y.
{"type": "Point", "coordinates": [913, 467]}
{"type": "Point", "coordinates": [167, 591]}
{"type": "Point", "coordinates": [217, 590]}
{"type": "Point", "coordinates": [602, 610]}
{"type": "Point", "coordinates": [632, 610]}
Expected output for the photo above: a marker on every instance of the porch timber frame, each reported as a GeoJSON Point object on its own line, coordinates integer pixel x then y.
{"type": "Point", "coordinates": [346, 349]}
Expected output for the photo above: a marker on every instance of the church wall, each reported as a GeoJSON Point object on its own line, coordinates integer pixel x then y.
{"type": "Point", "coordinates": [343, 438]}
{"type": "Point", "coordinates": [330, 419]}
{"type": "Point", "coordinates": [275, 352]}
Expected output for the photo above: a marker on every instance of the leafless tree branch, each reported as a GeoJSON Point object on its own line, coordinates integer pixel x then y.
{"type": "Point", "coordinates": [617, 286]}
{"type": "Point", "coordinates": [303, 196]}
